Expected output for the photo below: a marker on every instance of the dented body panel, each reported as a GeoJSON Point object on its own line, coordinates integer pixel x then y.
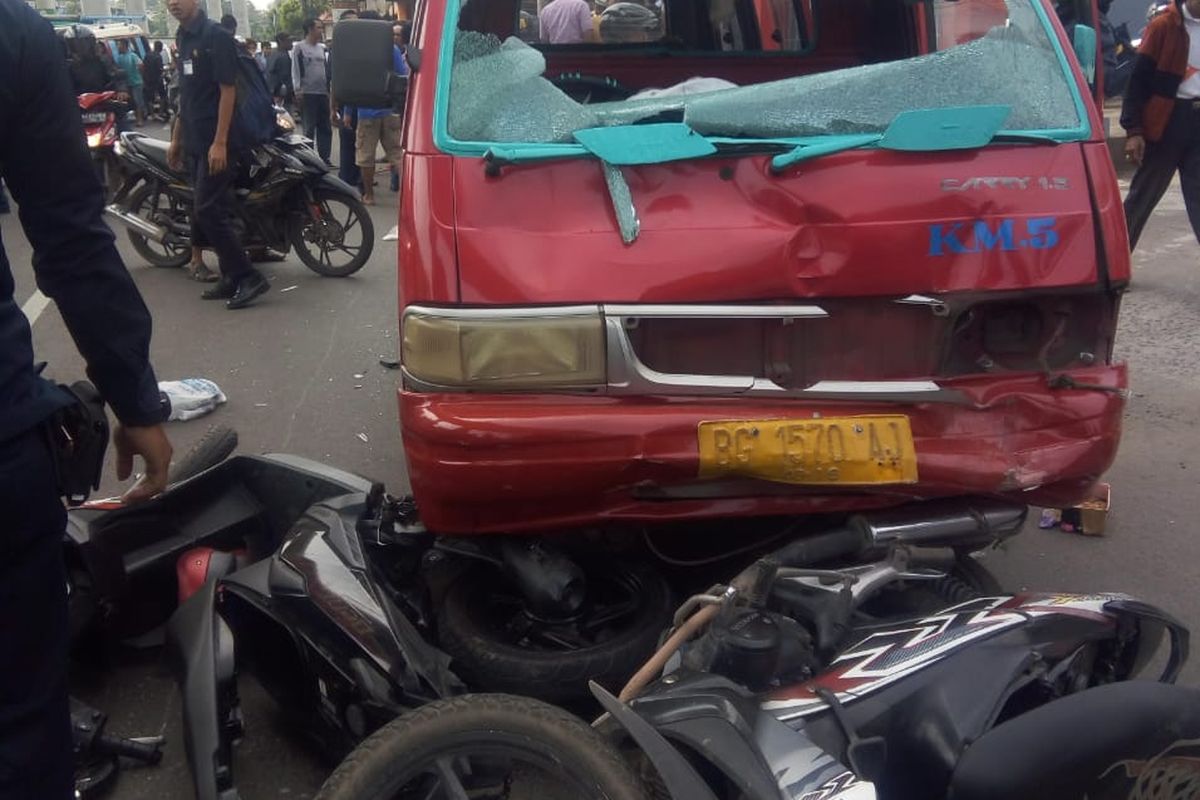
{"type": "Point", "coordinates": [493, 464]}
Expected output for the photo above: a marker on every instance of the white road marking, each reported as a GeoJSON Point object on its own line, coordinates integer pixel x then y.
{"type": "Point", "coordinates": [34, 306]}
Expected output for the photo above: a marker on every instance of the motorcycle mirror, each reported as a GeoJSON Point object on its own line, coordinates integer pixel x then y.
{"type": "Point", "coordinates": [362, 64]}
{"type": "Point", "coordinates": [1083, 38]}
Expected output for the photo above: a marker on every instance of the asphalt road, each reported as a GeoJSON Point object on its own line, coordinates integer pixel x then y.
{"type": "Point", "coordinates": [302, 375]}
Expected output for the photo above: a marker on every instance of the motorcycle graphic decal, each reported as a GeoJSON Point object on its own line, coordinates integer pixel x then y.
{"type": "Point", "coordinates": [846, 786]}
{"type": "Point", "coordinates": [1173, 774]}
{"type": "Point", "coordinates": [884, 657]}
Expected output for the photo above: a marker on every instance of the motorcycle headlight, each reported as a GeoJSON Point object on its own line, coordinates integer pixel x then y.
{"type": "Point", "coordinates": [466, 349]}
{"type": "Point", "coordinates": [93, 139]}
{"type": "Point", "coordinates": [283, 121]}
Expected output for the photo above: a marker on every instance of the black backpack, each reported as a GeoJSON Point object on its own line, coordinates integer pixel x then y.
{"type": "Point", "coordinates": [255, 109]}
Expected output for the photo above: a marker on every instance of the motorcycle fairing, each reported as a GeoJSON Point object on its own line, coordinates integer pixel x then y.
{"type": "Point", "coordinates": [930, 711]}
{"type": "Point", "coordinates": [759, 755]}
{"type": "Point", "coordinates": [321, 634]}
{"type": "Point", "coordinates": [884, 656]}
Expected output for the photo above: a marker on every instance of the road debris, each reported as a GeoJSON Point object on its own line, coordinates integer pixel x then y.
{"type": "Point", "coordinates": [363, 436]}
{"type": "Point", "coordinates": [191, 397]}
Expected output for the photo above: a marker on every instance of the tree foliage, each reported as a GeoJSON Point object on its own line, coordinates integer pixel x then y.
{"type": "Point", "coordinates": [288, 15]}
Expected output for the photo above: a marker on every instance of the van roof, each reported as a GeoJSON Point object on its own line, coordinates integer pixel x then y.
{"type": "Point", "coordinates": [115, 30]}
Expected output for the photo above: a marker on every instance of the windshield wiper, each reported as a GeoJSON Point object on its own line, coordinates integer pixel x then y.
{"type": "Point", "coordinates": [922, 131]}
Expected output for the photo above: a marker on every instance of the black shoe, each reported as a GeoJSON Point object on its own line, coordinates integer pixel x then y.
{"type": "Point", "coordinates": [221, 290]}
{"type": "Point", "coordinates": [248, 289]}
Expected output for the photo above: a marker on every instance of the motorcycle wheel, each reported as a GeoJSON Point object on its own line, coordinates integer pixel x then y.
{"type": "Point", "coordinates": [498, 645]}
{"type": "Point", "coordinates": [214, 447]}
{"type": "Point", "coordinates": [143, 203]}
{"type": "Point", "coordinates": [484, 745]}
{"type": "Point", "coordinates": [343, 228]}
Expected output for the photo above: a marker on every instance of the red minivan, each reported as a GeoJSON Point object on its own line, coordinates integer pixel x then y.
{"type": "Point", "coordinates": [753, 257]}
{"type": "Point", "coordinates": [690, 265]}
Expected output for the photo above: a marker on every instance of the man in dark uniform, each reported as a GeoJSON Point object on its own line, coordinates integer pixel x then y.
{"type": "Point", "coordinates": [44, 161]}
{"type": "Point", "coordinates": [206, 138]}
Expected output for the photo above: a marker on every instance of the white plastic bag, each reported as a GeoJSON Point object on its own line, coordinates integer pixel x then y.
{"type": "Point", "coordinates": [191, 397]}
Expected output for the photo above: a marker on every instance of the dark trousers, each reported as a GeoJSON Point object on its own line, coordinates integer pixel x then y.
{"type": "Point", "coordinates": [35, 729]}
{"type": "Point", "coordinates": [1179, 149]}
{"type": "Point", "coordinates": [315, 114]}
{"type": "Point", "coordinates": [347, 169]}
{"type": "Point", "coordinates": [212, 217]}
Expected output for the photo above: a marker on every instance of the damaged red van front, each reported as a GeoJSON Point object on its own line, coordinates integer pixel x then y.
{"type": "Point", "coordinates": [727, 258]}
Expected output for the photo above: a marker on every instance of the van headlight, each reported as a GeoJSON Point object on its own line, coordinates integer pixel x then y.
{"type": "Point", "coordinates": [505, 350]}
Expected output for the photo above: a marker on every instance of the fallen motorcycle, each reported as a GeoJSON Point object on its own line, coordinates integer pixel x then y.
{"type": "Point", "coordinates": [787, 683]}
{"type": "Point", "coordinates": [342, 604]}
{"type": "Point", "coordinates": [287, 198]}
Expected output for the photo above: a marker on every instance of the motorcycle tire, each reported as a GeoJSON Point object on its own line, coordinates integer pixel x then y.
{"type": "Point", "coordinates": [143, 245]}
{"type": "Point", "coordinates": [214, 447]}
{"type": "Point", "coordinates": [357, 215]}
{"type": "Point", "coordinates": [481, 609]}
{"type": "Point", "coordinates": [398, 760]}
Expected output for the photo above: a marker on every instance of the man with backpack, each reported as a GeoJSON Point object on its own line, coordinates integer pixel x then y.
{"type": "Point", "coordinates": [206, 137]}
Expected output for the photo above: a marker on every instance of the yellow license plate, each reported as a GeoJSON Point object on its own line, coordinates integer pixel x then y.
{"type": "Point", "coordinates": [834, 450]}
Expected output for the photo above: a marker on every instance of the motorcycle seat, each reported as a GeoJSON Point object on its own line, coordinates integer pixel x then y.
{"type": "Point", "coordinates": [153, 149]}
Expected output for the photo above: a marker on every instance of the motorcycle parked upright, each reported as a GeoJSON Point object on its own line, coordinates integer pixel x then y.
{"type": "Point", "coordinates": [287, 197]}
{"type": "Point", "coordinates": [102, 113]}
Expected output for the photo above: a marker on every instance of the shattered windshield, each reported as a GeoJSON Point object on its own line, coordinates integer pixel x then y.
{"type": "Point", "coordinates": [840, 67]}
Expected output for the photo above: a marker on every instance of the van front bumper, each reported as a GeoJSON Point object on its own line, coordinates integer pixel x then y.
{"type": "Point", "coordinates": [483, 463]}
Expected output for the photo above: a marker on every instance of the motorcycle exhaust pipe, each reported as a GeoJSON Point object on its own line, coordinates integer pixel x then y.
{"type": "Point", "coordinates": [136, 224]}
{"type": "Point", "coordinates": [972, 524]}
{"type": "Point", "coordinates": [969, 524]}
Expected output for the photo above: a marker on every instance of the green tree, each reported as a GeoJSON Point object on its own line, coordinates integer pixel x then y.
{"type": "Point", "coordinates": [159, 23]}
{"type": "Point", "coordinates": [290, 14]}
{"type": "Point", "coordinates": [262, 27]}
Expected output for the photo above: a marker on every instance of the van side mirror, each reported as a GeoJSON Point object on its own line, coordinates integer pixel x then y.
{"type": "Point", "coordinates": [1084, 40]}
{"type": "Point", "coordinates": [362, 65]}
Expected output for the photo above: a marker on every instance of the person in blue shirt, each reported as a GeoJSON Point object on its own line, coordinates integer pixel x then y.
{"type": "Point", "coordinates": [45, 163]}
{"type": "Point", "coordinates": [380, 127]}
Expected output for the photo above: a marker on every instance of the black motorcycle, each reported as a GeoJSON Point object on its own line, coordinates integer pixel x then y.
{"type": "Point", "coordinates": [788, 684]}
{"type": "Point", "coordinates": [865, 661]}
{"type": "Point", "coordinates": [286, 197]}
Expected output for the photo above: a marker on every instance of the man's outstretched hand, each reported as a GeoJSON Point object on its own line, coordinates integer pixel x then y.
{"type": "Point", "coordinates": [151, 443]}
